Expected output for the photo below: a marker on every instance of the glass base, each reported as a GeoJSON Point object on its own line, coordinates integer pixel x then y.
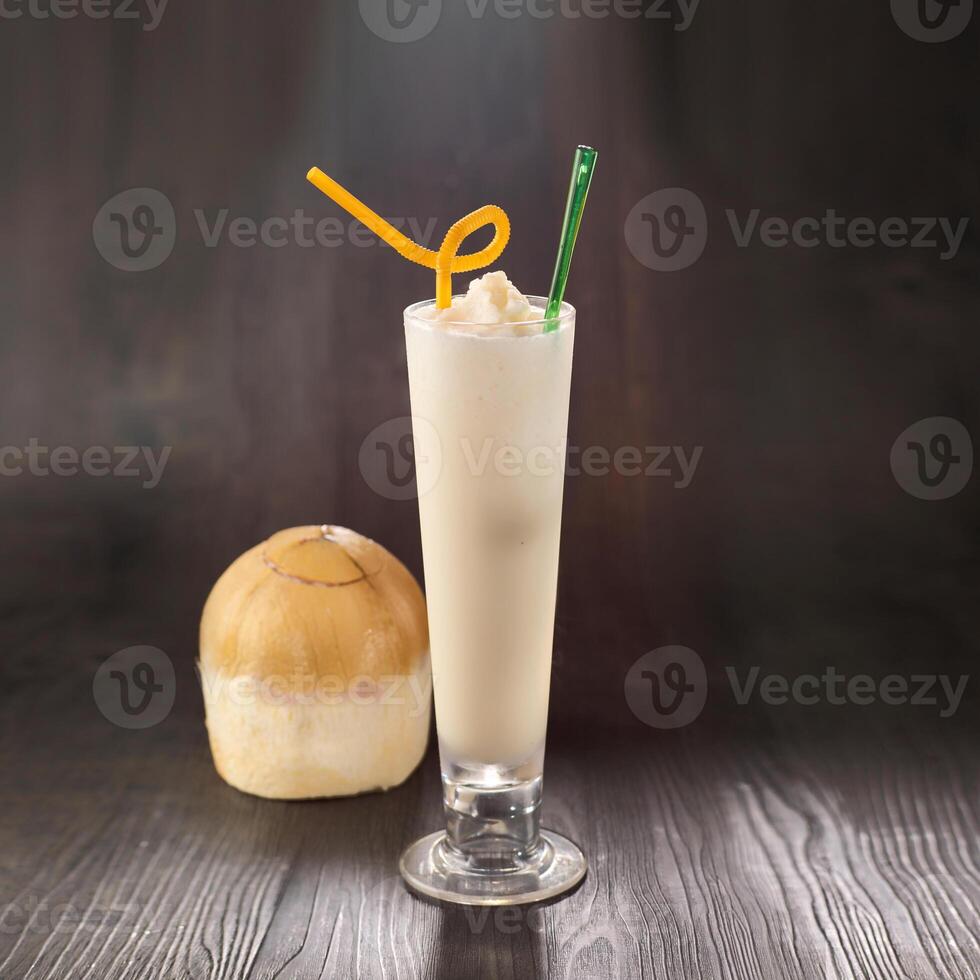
{"type": "Point", "coordinates": [433, 867]}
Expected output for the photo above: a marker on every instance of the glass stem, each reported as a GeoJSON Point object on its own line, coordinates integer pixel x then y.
{"type": "Point", "coordinates": [492, 815]}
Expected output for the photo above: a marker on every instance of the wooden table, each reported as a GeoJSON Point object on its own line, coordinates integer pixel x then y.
{"type": "Point", "coordinates": [747, 844]}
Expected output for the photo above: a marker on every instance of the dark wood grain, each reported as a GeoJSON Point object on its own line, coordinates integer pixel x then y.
{"type": "Point", "coordinates": [747, 847]}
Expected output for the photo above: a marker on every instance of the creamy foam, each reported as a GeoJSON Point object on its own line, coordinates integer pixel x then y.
{"type": "Point", "coordinates": [492, 306]}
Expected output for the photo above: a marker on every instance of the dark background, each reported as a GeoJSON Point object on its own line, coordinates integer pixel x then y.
{"type": "Point", "coordinates": [265, 368]}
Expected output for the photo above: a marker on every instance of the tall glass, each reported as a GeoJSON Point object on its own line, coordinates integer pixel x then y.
{"type": "Point", "coordinates": [490, 421]}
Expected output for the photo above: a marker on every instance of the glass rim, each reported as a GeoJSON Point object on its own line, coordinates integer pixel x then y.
{"type": "Point", "coordinates": [566, 313]}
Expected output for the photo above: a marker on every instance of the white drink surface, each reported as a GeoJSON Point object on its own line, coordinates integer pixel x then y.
{"type": "Point", "coordinates": [490, 469]}
{"type": "Point", "coordinates": [491, 307]}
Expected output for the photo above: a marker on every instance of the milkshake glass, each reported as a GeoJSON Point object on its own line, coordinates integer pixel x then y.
{"type": "Point", "coordinates": [490, 421]}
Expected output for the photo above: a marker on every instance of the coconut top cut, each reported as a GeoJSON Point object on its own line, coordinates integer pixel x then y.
{"type": "Point", "coordinates": [311, 603]}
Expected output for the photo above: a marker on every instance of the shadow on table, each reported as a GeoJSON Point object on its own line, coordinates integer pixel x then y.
{"type": "Point", "coordinates": [473, 941]}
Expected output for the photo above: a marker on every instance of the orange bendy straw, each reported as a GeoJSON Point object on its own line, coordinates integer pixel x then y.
{"type": "Point", "coordinates": [445, 261]}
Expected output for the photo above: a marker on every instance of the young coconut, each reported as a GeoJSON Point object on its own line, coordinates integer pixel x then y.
{"type": "Point", "coordinates": [315, 667]}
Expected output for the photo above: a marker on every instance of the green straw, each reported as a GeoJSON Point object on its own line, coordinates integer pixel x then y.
{"type": "Point", "coordinates": [578, 189]}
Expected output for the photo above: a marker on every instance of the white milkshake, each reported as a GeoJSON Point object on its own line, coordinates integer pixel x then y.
{"type": "Point", "coordinates": [493, 388]}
